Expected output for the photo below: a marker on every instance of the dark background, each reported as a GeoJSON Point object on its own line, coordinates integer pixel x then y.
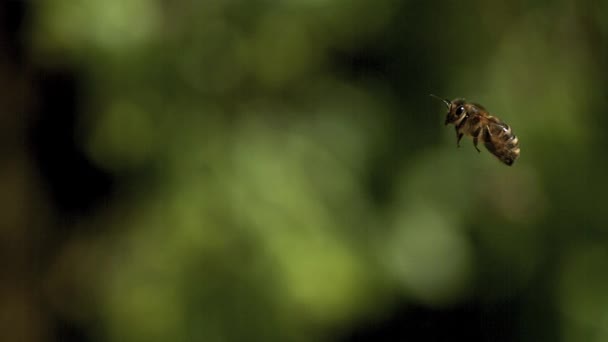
{"type": "Point", "coordinates": [276, 171]}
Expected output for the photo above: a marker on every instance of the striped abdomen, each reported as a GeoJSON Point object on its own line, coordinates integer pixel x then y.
{"type": "Point", "coordinates": [500, 141]}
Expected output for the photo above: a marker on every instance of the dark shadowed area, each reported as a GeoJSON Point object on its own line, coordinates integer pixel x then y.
{"type": "Point", "coordinates": [254, 170]}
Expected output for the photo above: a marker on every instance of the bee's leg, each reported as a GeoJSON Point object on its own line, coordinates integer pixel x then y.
{"type": "Point", "coordinates": [458, 137]}
{"type": "Point", "coordinates": [475, 140]}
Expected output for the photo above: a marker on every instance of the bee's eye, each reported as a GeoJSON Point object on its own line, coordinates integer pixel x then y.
{"type": "Point", "coordinates": [459, 110]}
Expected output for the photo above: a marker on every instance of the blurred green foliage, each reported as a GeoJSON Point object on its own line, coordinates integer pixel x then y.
{"type": "Point", "coordinates": [281, 171]}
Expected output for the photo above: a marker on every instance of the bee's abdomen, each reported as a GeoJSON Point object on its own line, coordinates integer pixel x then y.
{"type": "Point", "coordinates": [501, 142]}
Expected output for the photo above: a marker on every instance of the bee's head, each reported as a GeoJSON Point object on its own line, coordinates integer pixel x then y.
{"type": "Point", "coordinates": [456, 110]}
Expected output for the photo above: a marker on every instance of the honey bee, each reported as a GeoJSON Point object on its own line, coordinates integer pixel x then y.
{"type": "Point", "coordinates": [473, 120]}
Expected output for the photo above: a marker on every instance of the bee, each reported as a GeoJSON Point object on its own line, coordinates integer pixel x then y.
{"type": "Point", "coordinates": [473, 120]}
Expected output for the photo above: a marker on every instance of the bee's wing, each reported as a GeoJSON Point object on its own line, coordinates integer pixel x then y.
{"type": "Point", "coordinates": [498, 128]}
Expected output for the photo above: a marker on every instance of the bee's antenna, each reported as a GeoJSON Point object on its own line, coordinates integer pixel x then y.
{"type": "Point", "coordinates": [448, 103]}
